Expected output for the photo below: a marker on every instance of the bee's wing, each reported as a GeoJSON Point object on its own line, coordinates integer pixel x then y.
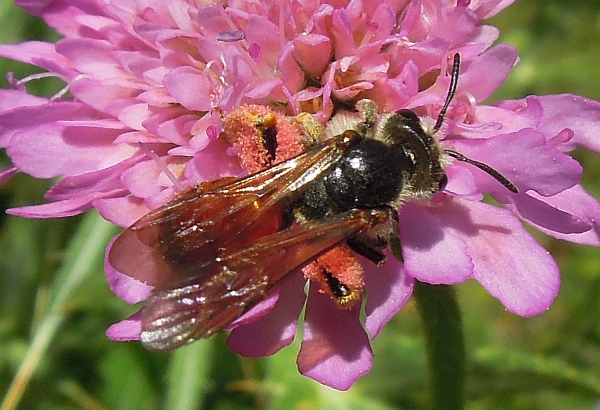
{"type": "Point", "coordinates": [242, 278]}
{"type": "Point", "coordinates": [175, 242]}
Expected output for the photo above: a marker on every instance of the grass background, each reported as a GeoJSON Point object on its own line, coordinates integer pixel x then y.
{"type": "Point", "coordinates": [52, 284]}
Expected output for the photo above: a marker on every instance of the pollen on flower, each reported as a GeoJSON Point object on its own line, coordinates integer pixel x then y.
{"type": "Point", "coordinates": [262, 137]}
{"type": "Point", "coordinates": [339, 274]}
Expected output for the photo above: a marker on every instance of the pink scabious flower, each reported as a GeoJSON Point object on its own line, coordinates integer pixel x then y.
{"type": "Point", "coordinates": [147, 86]}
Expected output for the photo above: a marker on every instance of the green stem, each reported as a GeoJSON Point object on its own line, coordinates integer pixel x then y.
{"type": "Point", "coordinates": [442, 325]}
{"type": "Point", "coordinates": [83, 256]}
{"type": "Point", "coordinates": [189, 375]}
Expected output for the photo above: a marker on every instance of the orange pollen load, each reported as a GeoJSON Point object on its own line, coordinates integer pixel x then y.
{"type": "Point", "coordinates": [339, 274]}
{"type": "Point", "coordinates": [262, 137]}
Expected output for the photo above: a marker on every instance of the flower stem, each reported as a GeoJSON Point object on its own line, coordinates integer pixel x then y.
{"type": "Point", "coordinates": [83, 256]}
{"type": "Point", "coordinates": [188, 376]}
{"type": "Point", "coordinates": [442, 325]}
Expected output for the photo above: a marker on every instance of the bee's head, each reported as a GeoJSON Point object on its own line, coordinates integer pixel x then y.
{"type": "Point", "coordinates": [423, 173]}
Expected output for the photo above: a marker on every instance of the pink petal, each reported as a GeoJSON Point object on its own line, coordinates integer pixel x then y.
{"type": "Point", "coordinates": [212, 163]}
{"type": "Point", "coordinates": [134, 115]}
{"type": "Point", "coordinates": [265, 34]}
{"type": "Point", "coordinates": [537, 211]}
{"type": "Point", "coordinates": [104, 96]}
{"type": "Point", "coordinates": [125, 287]}
{"type": "Point", "coordinates": [388, 290]}
{"type": "Point", "coordinates": [491, 121]}
{"type": "Point", "coordinates": [205, 130]}
{"type": "Point", "coordinates": [571, 111]}
{"type": "Point", "coordinates": [335, 349]}
{"type": "Point", "coordinates": [31, 113]}
{"type": "Point", "coordinates": [277, 328]}
{"type": "Point", "coordinates": [15, 99]}
{"type": "Point", "coordinates": [190, 87]}
{"type": "Point", "coordinates": [177, 130]}
{"type": "Point", "coordinates": [581, 208]}
{"type": "Point", "coordinates": [341, 30]}
{"type": "Point", "coordinates": [494, 65]}
{"type": "Point", "coordinates": [551, 114]}
{"type": "Point", "coordinates": [122, 211]}
{"type": "Point", "coordinates": [61, 15]}
{"type": "Point", "coordinates": [104, 180]}
{"type": "Point", "coordinates": [40, 54]}
{"type": "Point", "coordinates": [7, 173]}
{"type": "Point", "coordinates": [59, 209]}
{"type": "Point", "coordinates": [312, 52]}
{"type": "Point", "coordinates": [145, 179]}
{"type": "Point", "coordinates": [92, 57]}
{"type": "Point", "coordinates": [432, 253]}
{"type": "Point", "coordinates": [126, 330]}
{"type": "Point", "coordinates": [489, 8]}
{"type": "Point", "coordinates": [461, 183]}
{"type": "Point", "coordinates": [263, 89]}
{"type": "Point", "coordinates": [258, 311]}
{"type": "Point", "coordinates": [51, 150]}
{"type": "Point", "coordinates": [525, 159]}
{"type": "Point", "coordinates": [182, 119]}
{"type": "Point", "coordinates": [508, 261]}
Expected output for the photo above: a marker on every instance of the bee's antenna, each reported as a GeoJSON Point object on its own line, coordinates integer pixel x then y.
{"type": "Point", "coordinates": [451, 91]}
{"type": "Point", "coordinates": [484, 167]}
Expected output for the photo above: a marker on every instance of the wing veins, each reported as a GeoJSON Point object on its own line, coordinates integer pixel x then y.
{"type": "Point", "coordinates": [255, 270]}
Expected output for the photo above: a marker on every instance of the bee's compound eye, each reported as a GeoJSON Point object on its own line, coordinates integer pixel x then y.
{"type": "Point", "coordinates": [443, 183]}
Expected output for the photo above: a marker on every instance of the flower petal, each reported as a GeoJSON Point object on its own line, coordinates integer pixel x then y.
{"type": "Point", "coordinates": [103, 180]}
{"type": "Point", "coordinates": [312, 52]}
{"type": "Point", "coordinates": [190, 87]}
{"type": "Point", "coordinates": [461, 183]}
{"type": "Point", "coordinates": [51, 150]}
{"type": "Point", "coordinates": [125, 287]}
{"type": "Point", "coordinates": [525, 159]}
{"type": "Point", "coordinates": [553, 113]}
{"type": "Point", "coordinates": [7, 173]}
{"type": "Point", "coordinates": [494, 65]}
{"type": "Point", "coordinates": [122, 211]}
{"type": "Point", "coordinates": [33, 113]}
{"type": "Point", "coordinates": [59, 209]}
{"type": "Point", "coordinates": [277, 328]}
{"type": "Point", "coordinates": [41, 54]}
{"type": "Point", "coordinates": [126, 330]}
{"type": "Point", "coordinates": [432, 253]}
{"type": "Point", "coordinates": [507, 260]}
{"type": "Point", "coordinates": [537, 211]}
{"type": "Point", "coordinates": [582, 210]}
{"type": "Point", "coordinates": [335, 349]}
{"type": "Point", "coordinates": [389, 288]}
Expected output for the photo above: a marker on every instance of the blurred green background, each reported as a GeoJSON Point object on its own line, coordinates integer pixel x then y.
{"type": "Point", "coordinates": [547, 362]}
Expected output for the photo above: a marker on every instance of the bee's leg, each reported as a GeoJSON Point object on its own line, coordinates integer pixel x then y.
{"type": "Point", "coordinates": [371, 243]}
{"type": "Point", "coordinates": [371, 247]}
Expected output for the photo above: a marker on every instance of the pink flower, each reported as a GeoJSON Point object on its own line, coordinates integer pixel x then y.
{"type": "Point", "coordinates": [148, 82]}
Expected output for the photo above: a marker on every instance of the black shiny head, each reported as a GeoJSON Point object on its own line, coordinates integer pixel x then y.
{"type": "Point", "coordinates": [403, 130]}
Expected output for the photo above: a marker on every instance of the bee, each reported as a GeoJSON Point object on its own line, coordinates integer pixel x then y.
{"type": "Point", "coordinates": [221, 247]}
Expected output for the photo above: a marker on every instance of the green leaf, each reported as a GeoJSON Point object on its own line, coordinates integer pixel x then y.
{"type": "Point", "coordinates": [544, 369]}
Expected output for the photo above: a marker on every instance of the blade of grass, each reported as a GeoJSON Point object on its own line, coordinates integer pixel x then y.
{"type": "Point", "coordinates": [83, 256]}
{"type": "Point", "coordinates": [189, 375]}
